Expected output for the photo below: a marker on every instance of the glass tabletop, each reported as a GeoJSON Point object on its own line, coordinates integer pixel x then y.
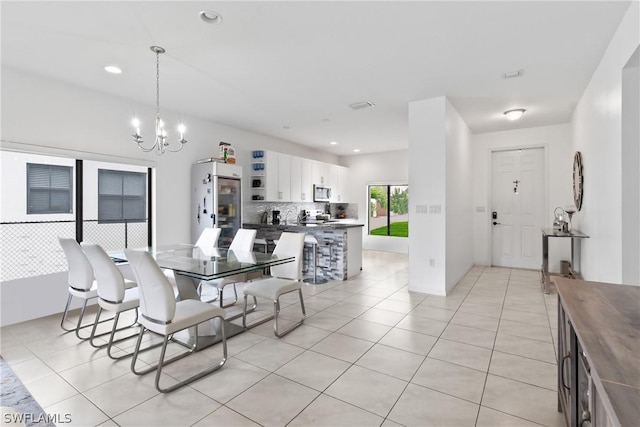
{"type": "Point", "coordinates": [209, 264]}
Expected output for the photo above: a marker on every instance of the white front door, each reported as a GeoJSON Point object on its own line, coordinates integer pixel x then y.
{"type": "Point", "coordinates": [517, 207]}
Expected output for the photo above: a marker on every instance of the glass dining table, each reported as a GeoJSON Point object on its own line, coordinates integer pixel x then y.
{"type": "Point", "coordinates": [193, 264]}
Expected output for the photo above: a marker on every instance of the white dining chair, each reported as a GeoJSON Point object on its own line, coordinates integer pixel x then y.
{"type": "Point", "coordinates": [242, 242]}
{"type": "Point", "coordinates": [81, 282]}
{"type": "Point", "coordinates": [115, 294]}
{"type": "Point", "coordinates": [161, 314]}
{"type": "Point", "coordinates": [285, 278]}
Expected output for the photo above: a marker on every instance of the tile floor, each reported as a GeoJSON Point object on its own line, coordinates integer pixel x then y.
{"type": "Point", "coordinates": [370, 353]}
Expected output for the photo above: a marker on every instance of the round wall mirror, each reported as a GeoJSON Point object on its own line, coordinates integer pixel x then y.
{"type": "Point", "coordinates": [578, 180]}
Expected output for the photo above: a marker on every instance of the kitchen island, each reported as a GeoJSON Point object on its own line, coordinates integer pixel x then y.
{"type": "Point", "coordinates": [339, 252]}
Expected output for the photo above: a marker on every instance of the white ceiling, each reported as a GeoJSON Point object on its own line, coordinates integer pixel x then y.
{"type": "Point", "coordinates": [272, 65]}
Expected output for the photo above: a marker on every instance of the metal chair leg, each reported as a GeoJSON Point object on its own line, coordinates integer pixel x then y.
{"type": "Point", "coordinates": [221, 298]}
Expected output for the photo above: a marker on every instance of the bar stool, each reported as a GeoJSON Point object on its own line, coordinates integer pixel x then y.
{"type": "Point", "coordinates": [313, 241]}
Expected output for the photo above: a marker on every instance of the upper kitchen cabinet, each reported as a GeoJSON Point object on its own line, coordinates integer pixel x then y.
{"type": "Point", "coordinates": [340, 186]}
{"type": "Point", "coordinates": [301, 182]}
{"type": "Point", "coordinates": [322, 174]}
{"type": "Point", "coordinates": [278, 177]}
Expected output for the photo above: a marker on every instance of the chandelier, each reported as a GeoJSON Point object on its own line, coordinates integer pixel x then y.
{"type": "Point", "coordinates": [160, 144]}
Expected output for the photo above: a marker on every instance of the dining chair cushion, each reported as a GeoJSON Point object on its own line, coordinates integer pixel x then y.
{"type": "Point", "coordinates": [271, 288]}
{"type": "Point", "coordinates": [131, 299]}
{"type": "Point", "coordinates": [188, 313]}
{"type": "Point", "coordinates": [87, 294]}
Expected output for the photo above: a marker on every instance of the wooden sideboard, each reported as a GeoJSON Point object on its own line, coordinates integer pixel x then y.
{"type": "Point", "coordinates": [598, 353]}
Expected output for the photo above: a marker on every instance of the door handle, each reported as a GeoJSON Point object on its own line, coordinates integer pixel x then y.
{"type": "Point", "coordinates": [564, 384]}
{"type": "Point", "coordinates": [496, 223]}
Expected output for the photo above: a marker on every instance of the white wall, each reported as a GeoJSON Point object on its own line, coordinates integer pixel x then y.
{"type": "Point", "coordinates": [427, 174]}
{"type": "Point", "coordinates": [631, 171]}
{"type": "Point", "coordinates": [39, 113]}
{"type": "Point", "coordinates": [378, 168]}
{"type": "Point", "coordinates": [459, 224]}
{"type": "Point", "coordinates": [556, 141]}
{"type": "Point", "coordinates": [596, 125]}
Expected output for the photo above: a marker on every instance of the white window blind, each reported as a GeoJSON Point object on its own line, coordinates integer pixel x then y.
{"type": "Point", "coordinates": [121, 196]}
{"type": "Point", "coordinates": [49, 189]}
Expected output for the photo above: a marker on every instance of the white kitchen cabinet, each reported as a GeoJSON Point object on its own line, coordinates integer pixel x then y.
{"type": "Point", "coordinates": [278, 177]}
{"type": "Point", "coordinates": [301, 184]}
{"type": "Point", "coordinates": [339, 192]}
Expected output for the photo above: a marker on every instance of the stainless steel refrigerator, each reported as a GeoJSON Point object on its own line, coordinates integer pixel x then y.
{"type": "Point", "coordinates": [216, 199]}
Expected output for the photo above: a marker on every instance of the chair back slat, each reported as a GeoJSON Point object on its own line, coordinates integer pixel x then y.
{"type": "Point", "coordinates": [157, 301]}
{"type": "Point", "coordinates": [289, 244]}
{"type": "Point", "coordinates": [108, 275]}
{"type": "Point", "coordinates": [80, 270]}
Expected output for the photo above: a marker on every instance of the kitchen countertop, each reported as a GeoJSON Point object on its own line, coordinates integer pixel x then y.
{"type": "Point", "coordinates": [331, 224]}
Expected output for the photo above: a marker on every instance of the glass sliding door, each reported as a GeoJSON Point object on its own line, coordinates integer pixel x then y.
{"type": "Point", "coordinates": [389, 210]}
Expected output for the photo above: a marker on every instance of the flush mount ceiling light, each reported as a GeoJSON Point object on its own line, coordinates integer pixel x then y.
{"type": "Point", "coordinates": [333, 143]}
{"type": "Point", "coordinates": [356, 150]}
{"type": "Point", "coordinates": [211, 17]}
{"type": "Point", "coordinates": [160, 144]}
{"type": "Point", "coordinates": [112, 69]}
{"type": "Point", "coordinates": [514, 114]}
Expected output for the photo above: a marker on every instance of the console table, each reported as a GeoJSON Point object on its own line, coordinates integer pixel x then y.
{"type": "Point", "coordinates": [576, 237]}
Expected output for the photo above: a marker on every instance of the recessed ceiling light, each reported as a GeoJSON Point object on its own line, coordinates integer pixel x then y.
{"type": "Point", "coordinates": [285, 127]}
{"type": "Point", "coordinates": [112, 69]}
{"type": "Point", "coordinates": [325, 120]}
{"type": "Point", "coordinates": [333, 143]}
{"type": "Point", "coordinates": [211, 17]}
{"type": "Point", "coordinates": [356, 150]}
{"type": "Point", "coordinates": [514, 114]}
{"type": "Point", "coordinates": [362, 105]}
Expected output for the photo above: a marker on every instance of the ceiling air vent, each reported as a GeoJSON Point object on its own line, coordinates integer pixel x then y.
{"type": "Point", "coordinates": [362, 105]}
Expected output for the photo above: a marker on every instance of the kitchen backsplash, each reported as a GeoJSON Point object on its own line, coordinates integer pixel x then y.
{"type": "Point", "coordinates": [289, 211]}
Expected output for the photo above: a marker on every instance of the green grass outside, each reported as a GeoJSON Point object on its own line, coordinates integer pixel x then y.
{"type": "Point", "coordinates": [398, 229]}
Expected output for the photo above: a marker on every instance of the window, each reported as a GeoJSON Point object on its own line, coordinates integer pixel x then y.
{"type": "Point", "coordinates": [121, 196]}
{"type": "Point", "coordinates": [389, 210]}
{"type": "Point", "coordinates": [48, 189]}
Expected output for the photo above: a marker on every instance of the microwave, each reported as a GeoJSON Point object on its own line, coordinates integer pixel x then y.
{"type": "Point", "coordinates": [321, 193]}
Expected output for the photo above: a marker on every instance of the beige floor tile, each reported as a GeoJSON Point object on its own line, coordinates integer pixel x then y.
{"type": "Point", "coordinates": [442, 302]}
{"type": "Point", "coordinates": [347, 309]}
{"type": "Point", "coordinates": [434, 313]}
{"type": "Point", "coordinates": [274, 401]}
{"type": "Point", "coordinates": [327, 411]}
{"type": "Point", "coordinates": [391, 361]}
{"type": "Point", "coordinates": [328, 321]}
{"type": "Point", "coordinates": [342, 347]}
{"type": "Point", "coordinates": [367, 389]}
{"type": "Point", "coordinates": [96, 372]}
{"type": "Point", "coordinates": [232, 379]}
{"type": "Point", "coordinates": [419, 406]}
{"type": "Point", "coordinates": [525, 317]}
{"type": "Point", "coordinates": [78, 411]}
{"type": "Point", "coordinates": [488, 417]}
{"type": "Point", "coordinates": [225, 417]}
{"type": "Point", "coordinates": [522, 400]}
{"type": "Point", "coordinates": [123, 393]}
{"type": "Point", "coordinates": [525, 347]}
{"type": "Point", "coordinates": [530, 371]}
{"type": "Point", "coordinates": [31, 370]}
{"type": "Point", "coordinates": [241, 342]}
{"type": "Point", "coordinates": [455, 380]}
{"type": "Point", "coordinates": [385, 317]}
{"type": "Point", "coordinates": [365, 330]}
{"type": "Point", "coordinates": [184, 406]}
{"type": "Point", "coordinates": [539, 333]}
{"type": "Point", "coordinates": [476, 321]}
{"type": "Point", "coordinates": [422, 325]}
{"type": "Point", "coordinates": [50, 390]}
{"type": "Point", "coordinates": [480, 309]}
{"type": "Point", "coordinates": [363, 299]}
{"type": "Point", "coordinates": [397, 306]}
{"type": "Point", "coordinates": [467, 335]}
{"type": "Point", "coordinates": [313, 370]}
{"type": "Point", "coordinates": [413, 342]}
{"type": "Point", "coordinates": [269, 354]}
{"type": "Point", "coordinates": [374, 291]}
{"type": "Point", "coordinates": [461, 354]}
{"type": "Point", "coordinates": [318, 303]}
{"type": "Point", "coordinates": [305, 336]}
{"type": "Point", "coordinates": [335, 294]}
{"type": "Point", "coordinates": [529, 308]}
